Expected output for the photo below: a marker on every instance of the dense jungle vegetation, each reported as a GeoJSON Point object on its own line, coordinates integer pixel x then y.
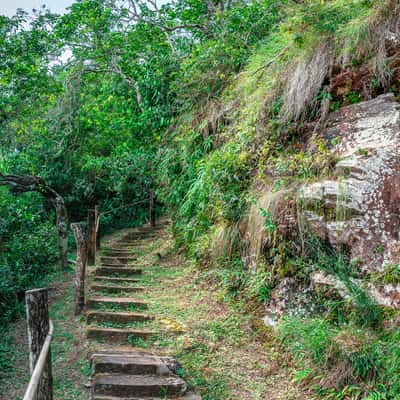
{"type": "Point", "coordinates": [201, 101]}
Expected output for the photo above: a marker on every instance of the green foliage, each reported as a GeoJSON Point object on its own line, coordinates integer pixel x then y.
{"type": "Point", "coordinates": [192, 100]}
{"type": "Point", "coordinates": [269, 224]}
{"type": "Point", "coordinates": [308, 337]}
{"type": "Point", "coordinates": [371, 359]}
{"type": "Point", "coordinates": [28, 249]}
{"type": "Point", "coordinates": [366, 313]}
{"type": "Point", "coordinates": [331, 16]}
{"type": "Point", "coordinates": [390, 274]}
{"type": "Point", "coordinates": [231, 34]}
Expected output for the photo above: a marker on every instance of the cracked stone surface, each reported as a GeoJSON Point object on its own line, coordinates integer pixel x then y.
{"type": "Point", "coordinates": [359, 206]}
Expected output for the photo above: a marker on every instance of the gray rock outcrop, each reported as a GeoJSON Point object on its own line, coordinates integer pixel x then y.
{"type": "Point", "coordinates": [359, 206]}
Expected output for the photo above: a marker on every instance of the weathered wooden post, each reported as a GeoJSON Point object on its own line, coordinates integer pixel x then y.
{"type": "Point", "coordinates": [97, 212]}
{"type": "Point", "coordinates": [92, 236]}
{"type": "Point", "coordinates": [152, 209]}
{"type": "Point", "coordinates": [37, 315]}
{"type": "Point", "coordinates": [81, 261]}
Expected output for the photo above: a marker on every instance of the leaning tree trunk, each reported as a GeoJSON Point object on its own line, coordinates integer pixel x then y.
{"type": "Point", "coordinates": [22, 184]}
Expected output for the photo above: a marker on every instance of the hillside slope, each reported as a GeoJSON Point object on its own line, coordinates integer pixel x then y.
{"type": "Point", "coordinates": [269, 131]}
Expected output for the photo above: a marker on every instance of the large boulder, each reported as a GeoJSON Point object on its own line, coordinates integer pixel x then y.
{"type": "Point", "coordinates": [359, 205]}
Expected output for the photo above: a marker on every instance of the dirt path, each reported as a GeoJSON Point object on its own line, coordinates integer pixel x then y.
{"type": "Point", "coordinates": [223, 352]}
{"type": "Point", "coordinates": [169, 310]}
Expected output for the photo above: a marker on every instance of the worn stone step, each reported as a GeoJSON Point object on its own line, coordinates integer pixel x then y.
{"type": "Point", "coordinates": [120, 349]}
{"type": "Point", "coordinates": [140, 235]}
{"type": "Point", "coordinates": [119, 253]}
{"type": "Point", "coordinates": [133, 364]}
{"type": "Point", "coordinates": [117, 317]}
{"type": "Point", "coordinates": [117, 288]}
{"type": "Point", "coordinates": [122, 302]}
{"type": "Point", "coordinates": [114, 260]}
{"type": "Point", "coordinates": [115, 279]}
{"type": "Point", "coordinates": [115, 249]}
{"type": "Point", "coordinates": [122, 271]}
{"type": "Point", "coordinates": [117, 259]}
{"type": "Point", "coordinates": [134, 385]}
{"type": "Point", "coordinates": [128, 245]}
{"type": "Point", "coordinates": [137, 240]}
{"type": "Point", "coordinates": [117, 334]}
{"type": "Point", "coordinates": [187, 396]}
{"type": "Point", "coordinates": [117, 265]}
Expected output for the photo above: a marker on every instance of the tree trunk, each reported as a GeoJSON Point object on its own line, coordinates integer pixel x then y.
{"type": "Point", "coordinates": [81, 261]}
{"type": "Point", "coordinates": [92, 220]}
{"type": "Point", "coordinates": [37, 313]}
{"type": "Point", "coordinates": [152, 209]}
{"type": "Point", "coordinates": [62, 230]}
{"type": "Point", "coordinates": [98, 244]}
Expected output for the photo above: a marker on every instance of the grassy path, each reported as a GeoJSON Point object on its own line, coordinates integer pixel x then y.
{"type": "Point", "coordinates": [224, 351]}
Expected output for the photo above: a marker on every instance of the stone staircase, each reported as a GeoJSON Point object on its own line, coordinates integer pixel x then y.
{"type": "Point", "coordinates": [125, 372]}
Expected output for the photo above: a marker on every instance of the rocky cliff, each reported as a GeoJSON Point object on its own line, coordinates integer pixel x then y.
{"type": "Point", "coordinates": [356, 207]}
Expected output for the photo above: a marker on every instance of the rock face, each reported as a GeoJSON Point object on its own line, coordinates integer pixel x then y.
{"type": "Point", "coordinates": [360, 205]}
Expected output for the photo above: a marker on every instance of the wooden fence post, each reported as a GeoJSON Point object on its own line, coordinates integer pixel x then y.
{"type": "Point", "coordinates": [91, 236]}
{"type": "Point", "coordinates": [37, 315]}
{"type": "Point", "coordinates": [152, 209]}
{"type": "Point", "coordinates": [81, 261]}
{"type": "Point", "coordinates": [96, 209]}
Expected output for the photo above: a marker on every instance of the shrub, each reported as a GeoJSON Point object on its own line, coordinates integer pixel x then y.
{"type": "Point", "coordinates": [28, 250]}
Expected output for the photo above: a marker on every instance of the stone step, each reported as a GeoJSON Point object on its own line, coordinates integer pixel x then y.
{"type": "Point", "coordinates": [117, 288]}
{"type": "Point", "coordinates": [187, 396]}
{"type": "Point", "coordinates": [133, 364]}
{"type": "Point", "coordinates": [127, 245]}
{"type": "Point", "coordinates": [122, 271]}
{"type": "Point", "coordinates": [134, 385]}
{"type": "Point", "coordinates": [117, 317]}
{"type": "Point", "coordinates": [117, 259]}
{"type": "Point", "coordinates": [140, 235]}
{"type": "Point", "coordinates": [117, 265]}
{"type": "Point", "coordinates": [121, 350]}
{"type": "Point", "coordinates": [115, 249]}
{"type": "Point", "coordinates": [137, 240]}
{"type": "Point", "coordinates": [119, 253]}
{"type": "Point", "coordinates": [115, 279]}
{"type": "Point", "coordinates": [122, 302]}
{"type": "Point", "coordinates": [117, 334]}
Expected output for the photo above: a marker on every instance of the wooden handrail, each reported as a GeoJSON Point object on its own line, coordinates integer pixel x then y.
{"type": "Point", "coordinates": [30, 393]}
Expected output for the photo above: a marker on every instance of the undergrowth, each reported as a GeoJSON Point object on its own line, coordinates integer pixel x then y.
{"type": "Point", "coordinates": [257, 127]}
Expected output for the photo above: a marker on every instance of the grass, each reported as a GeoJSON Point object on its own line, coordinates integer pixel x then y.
{"type": "Point", "coordinates": [129, 325]}
{"type": "Point", "coordinates": [214, 340]}
{"type": "Point", "coordinates": [339, 360]}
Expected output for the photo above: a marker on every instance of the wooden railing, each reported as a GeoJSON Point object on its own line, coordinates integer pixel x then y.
{"type": "Point", "coordinates": [88, 243]}
{"type": "Point", "coordinates": [40, 333]}
{"type": "Point", "coordinates": [40, 327]}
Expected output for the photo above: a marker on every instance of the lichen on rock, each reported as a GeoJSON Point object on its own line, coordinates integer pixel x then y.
{"type": "Point", "coordinates": [359, 206]}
